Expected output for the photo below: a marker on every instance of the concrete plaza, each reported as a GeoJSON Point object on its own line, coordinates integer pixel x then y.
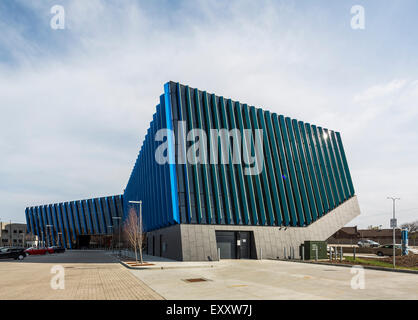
{"type": "Point", "coordinates": [89, 275]}
{"type": "Point", "coordinates": [268, 279]}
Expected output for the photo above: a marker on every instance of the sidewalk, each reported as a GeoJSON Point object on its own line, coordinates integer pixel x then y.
{"type": "Point", "coordinates": [87, 275]}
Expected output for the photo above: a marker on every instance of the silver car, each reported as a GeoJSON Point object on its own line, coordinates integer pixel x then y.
{"type": "Point", "coordinates": [387, 250]}
{"type": "Point", "coordinates": [368, 244]}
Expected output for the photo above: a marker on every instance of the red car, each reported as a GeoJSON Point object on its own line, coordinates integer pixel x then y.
{"type": "Point", "coordinates": [38, 251]}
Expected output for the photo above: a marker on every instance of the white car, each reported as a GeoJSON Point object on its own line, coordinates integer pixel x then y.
{"type": "Point", "coordinates": [367, 244]}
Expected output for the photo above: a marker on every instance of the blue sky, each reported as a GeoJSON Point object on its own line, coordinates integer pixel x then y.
{"type": "Point", "coordinates": [76, 103]}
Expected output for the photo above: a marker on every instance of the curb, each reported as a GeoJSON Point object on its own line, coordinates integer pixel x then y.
{"type": "Point", "coordinates": [351, 265]}
{"type": "Point", "coordinates": [162, 268]}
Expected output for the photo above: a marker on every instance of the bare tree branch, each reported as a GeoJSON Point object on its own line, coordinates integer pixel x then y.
{"type": "Point", "coordinates": [134, 233]}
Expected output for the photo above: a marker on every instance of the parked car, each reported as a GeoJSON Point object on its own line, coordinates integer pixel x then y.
{"type": "Point", "coordinates": [57, 249]}
{"type": "Point", "coordinates": [38, 251]}
{"type": "Point", "coordinates": [387, 250]}
{"type": "Point", "coordinates": [367, 244]}
{"type": "Point", "coordinates": [12, 253]}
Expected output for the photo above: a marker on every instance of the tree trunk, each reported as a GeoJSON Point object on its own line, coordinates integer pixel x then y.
{"type": "Point", "coordinates": [140, 253]}
{"type": "Point", "coordinates": [135, 248]}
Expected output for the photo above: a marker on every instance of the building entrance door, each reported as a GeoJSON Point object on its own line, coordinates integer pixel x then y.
{"type": "Point", "coordinates": [244, 245]}
{"type": "Point", "coordinates": [226, 242]}
{"type": "Point", "coordinates": [234, 244]}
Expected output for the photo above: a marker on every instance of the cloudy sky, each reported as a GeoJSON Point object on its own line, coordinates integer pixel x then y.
{"type": "Point", "coordinates": [76, 103]}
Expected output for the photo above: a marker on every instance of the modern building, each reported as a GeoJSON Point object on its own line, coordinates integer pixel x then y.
{"type": "Point", "coordinates": [219, 178]}
{"type": "Point", "coordinates": [76, 224]}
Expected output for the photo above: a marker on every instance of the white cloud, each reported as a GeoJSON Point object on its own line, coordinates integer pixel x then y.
{"type": "Point", "coordinates": [387, 90]}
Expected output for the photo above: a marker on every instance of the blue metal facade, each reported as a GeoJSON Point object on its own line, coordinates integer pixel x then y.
{"type": "Point", "coordinates": [74, 218]}
{"type": "Point", "coordinates": [305, 172]}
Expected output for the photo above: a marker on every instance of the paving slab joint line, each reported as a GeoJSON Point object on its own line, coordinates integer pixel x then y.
{"type": "Point", "coordinates": [349, 266]}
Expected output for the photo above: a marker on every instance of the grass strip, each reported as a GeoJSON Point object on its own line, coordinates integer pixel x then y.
{"type": "Point", "coordinates": [376, 263]}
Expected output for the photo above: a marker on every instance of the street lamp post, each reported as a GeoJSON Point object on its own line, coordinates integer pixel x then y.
{"type": "Point", "coordinates": [118, 218]}
{"type": "Point", "coordinates": [10, 233]}
{"type": "Point", "coordinates": [111, 231]}
{"type": "Point", "coordinates": [43, 238]}
{"type": "Point", "coordinates": [393, 225]}
{"type": "Point", "coordinates": [47, 228]}
{"type": "Point", "coordinates": [59, 238]}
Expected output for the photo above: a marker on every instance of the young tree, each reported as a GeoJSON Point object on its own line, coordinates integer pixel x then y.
{"type": "Point", "coordinates": [134, 233]}
{"type": "Point", "coordinates": [412, 226]}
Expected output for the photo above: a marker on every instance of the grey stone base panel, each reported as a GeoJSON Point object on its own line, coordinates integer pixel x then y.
{"type": "Point", "coordinates": [191, 242]}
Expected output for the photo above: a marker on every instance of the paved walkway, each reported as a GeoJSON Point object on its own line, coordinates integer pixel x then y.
{"type": "Point", "coordinates": [267, 279]}
{"type": "Point", "coordinates": [89, 275]}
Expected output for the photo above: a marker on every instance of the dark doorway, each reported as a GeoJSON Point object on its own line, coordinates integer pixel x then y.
{"type": "Point", "coordinates": [234, 244]}
{"type": "Point", "coordinates": [244, 244]}
{"type": "Point", "coordinates": [83, 241]}
{"type": "Point", "coordinates": [227, 244]}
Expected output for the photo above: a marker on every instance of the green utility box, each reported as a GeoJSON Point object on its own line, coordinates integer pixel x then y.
{"type": "Point", "coordinates": [311, 246]}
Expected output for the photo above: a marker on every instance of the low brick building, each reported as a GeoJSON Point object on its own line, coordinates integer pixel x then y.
{"type": "Point", "coordinates": [351, 235]}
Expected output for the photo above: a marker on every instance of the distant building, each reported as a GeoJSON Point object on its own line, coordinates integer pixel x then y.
{"type": "Point", "coordinates": [383, 236]}
{"type": "Point", "coordinates": [346, 235]}
{"type": "Point", "coordinates": [14, 234]}
{"type": "Point", "coordinates": [351, 235]}
{"type": "Point", "coordinates": [76, 224]}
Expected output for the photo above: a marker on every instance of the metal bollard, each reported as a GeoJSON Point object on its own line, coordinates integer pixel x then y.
{"type": "Point", "coordinates": [219, 254]}
{"type": "Point", "coordinates": [354, 253]}
{"type": "Point", "coordinates": [303, 253]}
{"type": "Point", "coordinates": [285, 257]}
{"type": "Point", "coordinates": [261, 253]}
{"type": "Point", "coordinates": [341, 254]}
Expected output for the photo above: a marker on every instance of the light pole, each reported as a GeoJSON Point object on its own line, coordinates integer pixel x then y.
{"type": "Point", "coordinates": [59, 238]}
{"type": "Point", "coordinates": [111, 231]}
{"type": "Point", "coordinates": [10, 233]}
{"type": "Point", "coordinates": [47, 228]}
{"type": "Point", "coordinates": [118, 218]}
{"type": "Point", "coordinates": [43, 239]}
{"type": "Point", "coordinates": [393, 225]}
